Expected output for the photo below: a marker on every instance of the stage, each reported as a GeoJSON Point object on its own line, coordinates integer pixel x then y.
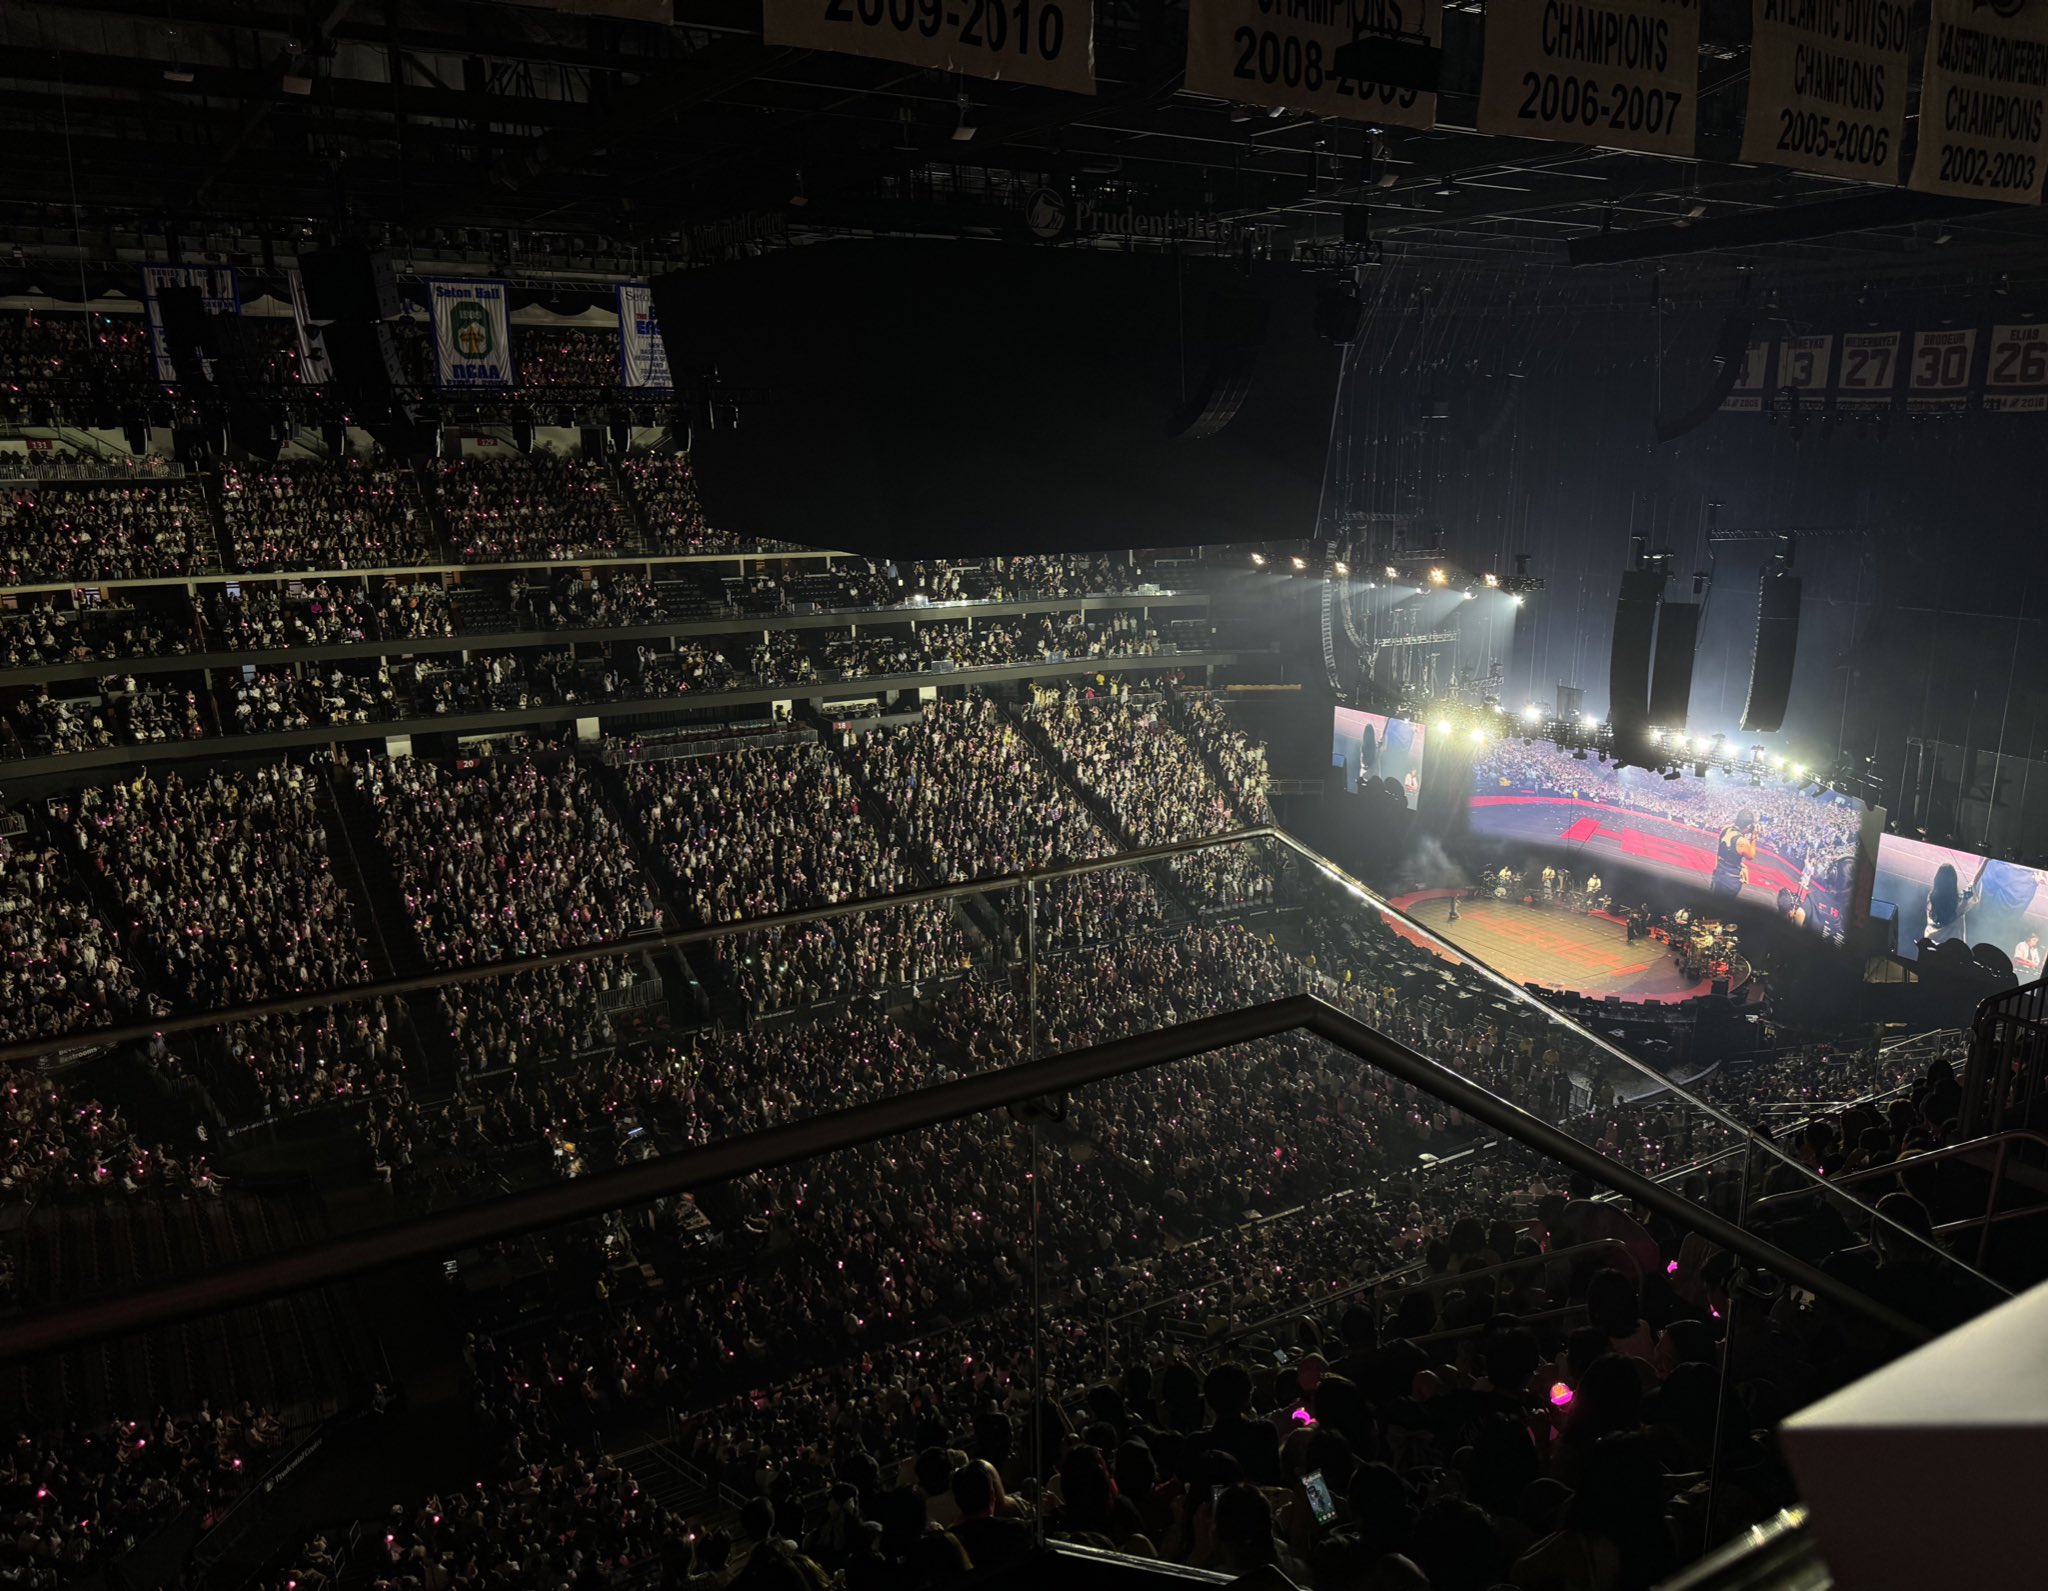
{"type": "Point", "coordinates": [1558, 948]}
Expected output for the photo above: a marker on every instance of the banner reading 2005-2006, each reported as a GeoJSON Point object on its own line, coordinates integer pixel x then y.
{"type": "Point", "coordinates": [1623, 73]}
{"type": "Point", "coordinates": [1047, 42]}
{"type": "Point", "coordinates": [472, 334]}
{"type": "Point", "coordinates": [1281, 52]}
{"type": "Point", "coordinates": [1827, 87]}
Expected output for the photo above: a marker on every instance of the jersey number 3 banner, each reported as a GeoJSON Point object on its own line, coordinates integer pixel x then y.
{"type": "Point", "coordinates": [472, 334]}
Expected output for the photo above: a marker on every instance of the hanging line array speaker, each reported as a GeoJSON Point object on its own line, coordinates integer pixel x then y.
{"type": "Point", "coordinates": [1628, 664]}
{"type": "Point", "coordinates": [1678, 633]}
{"type": "Point", "coordinates": [1730, 350]}
{"type": "Point", "coordinates": [1777, 639]}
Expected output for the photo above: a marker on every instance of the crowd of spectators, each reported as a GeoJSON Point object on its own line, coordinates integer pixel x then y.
{"type": "Point", "coordinates": [342, 1054]}
{"type": "Point", "coordinates": [265, 701]}
{"type": "Point", "coordinates": [102, 532]}
{"type": "Point", "coordinates": [664, 489]}
{"type": "Point", "coordinates": [149, 715]}
{"type": "Point", "coordinates": [322, 514]}
{"type": "Point", "coordinates": [64, 969]}
{"type": "Point", "coordinates": [46, 354]}
{"type": "Point", "coordinates": [43, 633]}
{"type": "Point", "coordinates": [566, 356]}
{"type": "Point", "coordinates": [267, 616]}
{"type": "Point", "coordinates": [609, 599]}
{"type": "Point", "coordinates": [538, 505]}
{"type": "Point", "coordinates": [228, 882]}
{"type": "Point", "coordinates": [1237, 756]}
{"type": "Point", "coordinates": [682, 667]}
{"type": "Point", "coordinates": [512, 855]}
{"type": "Point", "coordinates": [51, 725]}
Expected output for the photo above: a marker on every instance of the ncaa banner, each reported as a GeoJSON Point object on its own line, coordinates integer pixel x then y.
{"type": "Point", "coordinates": [1984, 102]}
{"type": "Point", "coordinates": [643, 356]}
{"type": "Point", "coordinates": [1827, 87]}
{"type": "Point", "coordinates": [315, 368]}
{"type": "Point", "coordinates": [1261, 52]}
{"type": "Point", "coordinates": [220, 293]}
{"type": "Point", "coordinates": [2016, 369]}
{"type": "Point", "coordinates": [472, 333]}
{"type": "Point", "coordinates": [1624, 74]}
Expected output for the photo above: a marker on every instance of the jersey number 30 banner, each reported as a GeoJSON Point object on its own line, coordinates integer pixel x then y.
{"type": "Point", "coordinates": [472, 334]}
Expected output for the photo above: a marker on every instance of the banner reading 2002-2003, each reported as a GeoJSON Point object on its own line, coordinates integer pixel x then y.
{"type": "Point", "coordinates": [1622, 73]}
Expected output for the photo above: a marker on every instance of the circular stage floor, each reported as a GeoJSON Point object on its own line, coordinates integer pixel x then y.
{"type": "Point", "coordinates": [1557, 948]}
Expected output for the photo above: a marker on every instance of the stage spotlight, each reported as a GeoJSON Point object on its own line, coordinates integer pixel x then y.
{"type": "Point", "coordinates": [1342, 568]}
{"type": "Point", "coordinates": [1258, 560]}
{"type": "Point", "coordinates": [1799, 770]}
{"type": "Point", "coordinates": [1777, 761]}
{"type": "Point", "coordinates": [1443, 726]}
{"type": "Point", "coordinates": [1656, 737]}
{"type": "Point", "coordinates": [1298, 561]}
{"type": "Point", "coordinates": [1492, 582]}
{"type": "Point", "coordinates": [1438, 578]}
{"type": "Point", "coordinates": [1532, 714]}
{"type": "Point", "coordinates": [1391, 572]}
{"type": "Point", "coordinates": [1478, 736]}
{"type": "Point", "coordinates": [1685, 742]}
{"type": "Point", "coordinates": [1516, 599]}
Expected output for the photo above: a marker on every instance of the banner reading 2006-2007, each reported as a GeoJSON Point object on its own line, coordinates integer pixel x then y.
{"type": "Point", "coordinates": [1047, 42]}
{"type": "Point", "coordinates": [472, 334]}
{"type": "Point", "coordinates": [1623, 73]}
{"type": "Point", "coordinates": [1282, 52]}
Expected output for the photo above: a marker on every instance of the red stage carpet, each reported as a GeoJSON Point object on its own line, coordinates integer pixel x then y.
{"type": "Point", "coordinates": [1557, 948]}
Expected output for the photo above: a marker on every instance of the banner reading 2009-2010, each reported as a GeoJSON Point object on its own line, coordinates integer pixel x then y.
{"type": "Point", "coordinates": [472, 333]}
{"type": "Point", "coordinates": [1621, 73]}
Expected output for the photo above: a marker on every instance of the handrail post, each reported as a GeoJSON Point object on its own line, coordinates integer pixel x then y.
{"type": "Point", "coordinates": [1991, 1199]}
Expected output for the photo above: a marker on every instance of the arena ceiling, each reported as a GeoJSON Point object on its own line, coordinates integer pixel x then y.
{"type": "Point", "coordinates": [529, 133]}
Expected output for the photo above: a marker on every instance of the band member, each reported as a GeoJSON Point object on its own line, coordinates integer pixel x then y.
{"type": "Point", "coordinates": [2026, 955]}
{"type": "Point", "coordinates": [1732, 856]}
{"type": "Point", "coordinates": [1948, 906]}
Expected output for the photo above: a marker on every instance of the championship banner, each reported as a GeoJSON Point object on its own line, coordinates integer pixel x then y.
{"type": "Point", "coordinates": [1869, 373]}
{"type": "Point", "coordinates": [1827, 87]}
{"type": "Point", "coordinates": [1259, 52]}
{"type": "Point", "coordinates": [1804, 366]}
{"type": "Point", "coordinates": [1984, 102]}
{"type": "Point", "coordinates": [1047, 42]}
{"type": "Point", "coordinates": [220, 292]}
{"type": "Point", "coordinates": [1938, 377]}
{"type": "Point", "coordinates": [1747, 395]}
{"type": "Point", "coordinates": [1620, 73]}
{"type": "Point", "coordinates": [472, 333]}
{"type": "Point", "coordinates": [2016, 369]}
{"type": "Point", "coordinates": [315, 368]}
{"type": "Point", "coordinates": [643, 356]}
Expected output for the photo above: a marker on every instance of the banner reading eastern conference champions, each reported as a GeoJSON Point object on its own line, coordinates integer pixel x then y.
{"type": "Point", "coordinates": [472, 333]}
{"type": "Point", "coordinates": [1984, 101]}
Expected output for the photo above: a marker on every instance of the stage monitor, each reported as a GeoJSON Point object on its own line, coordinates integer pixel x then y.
{"type": "Point", "coordinates": [1766, 844]}
{"type": "Point", "coordinates": [1369, 746]}
{"type": "Point", "coordinates": [1941, 893]}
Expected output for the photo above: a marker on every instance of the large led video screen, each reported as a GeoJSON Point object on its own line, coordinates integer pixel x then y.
{"type": "Point", "coordinates": [1766, 844]}
{"type": "Point", "coordinates": [1370, 746]}
{"type": "Point", "coordinates": [1943, 894]}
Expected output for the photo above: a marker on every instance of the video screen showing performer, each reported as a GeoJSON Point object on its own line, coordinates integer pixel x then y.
{"type": "Point", "coordinates": [1942, 894]}
{"type": "Point", "coordinates": [1372, 746]}
{"type": "Point", "coordinates": [1768, 844]}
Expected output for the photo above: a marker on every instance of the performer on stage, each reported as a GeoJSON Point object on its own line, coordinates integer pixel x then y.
{"type": "Point", "coordinates": [2026, 955]}
{"type": "Point", "coordinates": [1732, 857]}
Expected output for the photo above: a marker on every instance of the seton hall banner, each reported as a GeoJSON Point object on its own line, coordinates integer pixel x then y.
{"type": "Point", "coordinates": [472, 333]}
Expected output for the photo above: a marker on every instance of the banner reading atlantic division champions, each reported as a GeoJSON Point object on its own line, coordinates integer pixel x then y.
{"type": "Point", "coordinates": [643, 356]}
{"type": "Point", "coordinates": [1262, 52]}
{"type": "Point", "coordinates": [472, 333]}
{"type": "Point", "coordinates": [1984, 102]}
{"type": "Point", "coordinates": [1622, 73]}
{"type": "Point", "coordinates": [1047, 42]}
{"type": "Point", "coordinates": [1827, 87]}
{"type": "Point", "coordinates": [220, 293]}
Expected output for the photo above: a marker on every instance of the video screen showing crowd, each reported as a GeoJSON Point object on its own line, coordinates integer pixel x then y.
{"type": "Point", "coordinates": [1767, 844]}
{"type": "Point", "coordinates": [1372, 747]}
{"type": "Point", "coordinates": [1941, 895]}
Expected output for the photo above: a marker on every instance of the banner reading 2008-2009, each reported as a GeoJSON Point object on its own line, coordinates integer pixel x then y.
{"type": "Point", "coordinates": [472, 334]}
{"type": "Point", "coordinates": [1623, 73]}
{"type": "Point", "coordinates": [1282, 52]}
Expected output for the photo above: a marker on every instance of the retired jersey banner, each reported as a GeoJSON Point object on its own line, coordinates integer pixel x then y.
{"type": "Point", "coordinates": [2016, 369]}
{"type": "Point", "coordinates": [1827, 87]}
{"type": "Point", "coordinates": [1984, 102]}
{"type": "Point", "coordinates": [220, 293]}
{"type": "Point", "coordinates": [643, 356]}
{"type": "Point", "coordinates": [1279, 52]}
{"type": "Point", "coordinates": [1747, 395]}
{"type": "Point", "coordinates": [1869, 372]}
{"type": "Point", "coordinates": [1622, 73]}
{"type": "Point", "coordinates": [1047, 42]}
{"type": "Point", "coordinates": [1938, 376]}
{"type": "Point", "coordinates": [1804, 366]}
{"type": "Point", "coordinates": [472, 333]}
